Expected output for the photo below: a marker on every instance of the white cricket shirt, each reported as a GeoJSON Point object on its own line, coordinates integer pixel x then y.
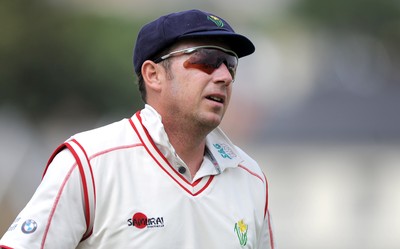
{"type": "Point", "coordinates": [145, 197]}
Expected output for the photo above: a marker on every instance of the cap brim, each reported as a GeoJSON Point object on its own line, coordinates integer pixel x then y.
{"type": "Point", "coordinates": [240, 44]}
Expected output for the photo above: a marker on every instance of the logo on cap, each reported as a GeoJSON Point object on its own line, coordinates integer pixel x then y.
{"type": "Point", "coordinates": [216, 20]}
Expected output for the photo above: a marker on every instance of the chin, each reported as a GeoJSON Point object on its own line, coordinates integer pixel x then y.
{"type": "Point", "coordinates": [212, 121]}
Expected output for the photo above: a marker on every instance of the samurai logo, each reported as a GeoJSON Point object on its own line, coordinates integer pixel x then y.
{"type": "Point", "coordinates": [140, 220]}
{"type": "Point", "coordinates": [241, 232]}
{"type": "Point", "coordinates": [216, 20]}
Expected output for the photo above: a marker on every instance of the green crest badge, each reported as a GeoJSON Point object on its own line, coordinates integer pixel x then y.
{"type": "Point", "coordinates": [216, 20]}
{"type": "Point", "coordinates": [241, 232]}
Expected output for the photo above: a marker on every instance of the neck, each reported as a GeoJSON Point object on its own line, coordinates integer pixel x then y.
{"type": "Point", "coordinates": [189, 144]}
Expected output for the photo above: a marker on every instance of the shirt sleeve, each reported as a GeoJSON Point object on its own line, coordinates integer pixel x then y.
{"type": "Point", "coordinates": [267, 240]}
{"type": "Point", "coordinates": [54, 217]}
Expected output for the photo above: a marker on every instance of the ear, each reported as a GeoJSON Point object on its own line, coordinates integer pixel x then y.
{"type": "Point", "coordinates": [152, 75]}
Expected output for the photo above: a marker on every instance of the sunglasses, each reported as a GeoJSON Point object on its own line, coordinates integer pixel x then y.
{"type": "Point", "coordinates": [206, 58]}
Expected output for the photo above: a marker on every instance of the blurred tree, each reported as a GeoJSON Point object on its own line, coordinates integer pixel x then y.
{"type": "Point", "coordinates": [378, 19]}
{"type": "Point", "coordinates": [368, 15]}
{"type": "Point", "coordinates": [50, 56]}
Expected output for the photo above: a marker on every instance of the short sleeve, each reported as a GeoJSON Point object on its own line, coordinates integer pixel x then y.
{"type": "Point", "coordinates": [267, 240]}
{"type": "Point", "coordinates": [54, 217]}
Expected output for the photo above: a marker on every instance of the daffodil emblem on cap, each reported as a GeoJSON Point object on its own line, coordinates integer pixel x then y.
{"type": "Point", "coordinates": [241, 232]}
{"type": "Point", "coordinates": [216, 20]}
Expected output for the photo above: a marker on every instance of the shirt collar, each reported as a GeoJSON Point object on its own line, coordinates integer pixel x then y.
{"type": "Point", "coordinates": [221, 151]}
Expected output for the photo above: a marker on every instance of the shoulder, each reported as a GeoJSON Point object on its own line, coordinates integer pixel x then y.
{"type": "Point", "coordinates": [249, 164]}
{"type": "Point", "coordinates": [246, 157]}
{"type": "Point", "coordinates": [223, 145]}
{"type": "Point", "coordinates": [116, 134]}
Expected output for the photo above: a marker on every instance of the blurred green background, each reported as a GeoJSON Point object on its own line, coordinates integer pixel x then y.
{"type": "Point", "coordinates": [50, 54]}
{"type": "Point", "coordinates": [52, 51]}
{"type": "Point", "coordinates": [317, 104]}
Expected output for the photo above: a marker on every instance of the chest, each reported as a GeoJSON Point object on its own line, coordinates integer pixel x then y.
{"type": "Point", "coordinates": [140, 203]}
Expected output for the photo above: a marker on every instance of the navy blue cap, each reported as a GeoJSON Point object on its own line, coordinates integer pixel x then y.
{"type": "Point", "coordinates": [167, 30]}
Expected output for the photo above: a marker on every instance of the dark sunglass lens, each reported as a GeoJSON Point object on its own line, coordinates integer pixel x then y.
{"type": "Point", "coordinates": [207, 68]}
{"type": "Point", "coordinates": [207, 60]}
{"type": "Point", "coordinates": [202, 59]}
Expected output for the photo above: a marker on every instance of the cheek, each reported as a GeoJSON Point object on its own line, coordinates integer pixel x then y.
{"type": "Point", "coordinates": [228, 94]}
{"type": "Point", "coordinates": [180, 93]}
{"type": "Point", "coordinates": [187, 86]}
{"type": "Point", "coordinates": [174, 90]}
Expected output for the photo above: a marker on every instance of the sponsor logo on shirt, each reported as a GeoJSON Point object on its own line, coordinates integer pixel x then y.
{"type": "Point", "coordinates": [224, 150]}
{"type": "Point", "coordinates": [14, 224]}
{"type": "Point", "coordinates": [241, 232]}
{"type": "Point", "coordinates": [141, 221]}
{"type": "Point", "coordinates": [29, 226]}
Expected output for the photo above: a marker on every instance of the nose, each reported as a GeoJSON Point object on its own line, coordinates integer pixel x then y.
{"type": "Point", "coordinates": [223, 74]}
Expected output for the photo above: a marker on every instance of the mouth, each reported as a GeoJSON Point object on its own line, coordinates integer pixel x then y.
{"type": "Point", "coordinates": [216, 99]}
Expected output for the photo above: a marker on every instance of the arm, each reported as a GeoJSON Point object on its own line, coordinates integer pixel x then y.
{"type": "Point", "coordinates": [54, 217]}
{"type": "Point", "coordinates": [267, 237]}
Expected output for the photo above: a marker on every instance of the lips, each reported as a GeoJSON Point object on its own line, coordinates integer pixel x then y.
{"type": "Point", "coordinates": [216, 98]}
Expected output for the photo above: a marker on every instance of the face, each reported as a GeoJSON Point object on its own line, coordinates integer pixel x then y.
{"type": "Point", "coordinates": [192, 96]}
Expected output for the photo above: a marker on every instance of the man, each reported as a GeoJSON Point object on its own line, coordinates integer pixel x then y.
{"type": "Point", "coordinates": [168, 177]}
